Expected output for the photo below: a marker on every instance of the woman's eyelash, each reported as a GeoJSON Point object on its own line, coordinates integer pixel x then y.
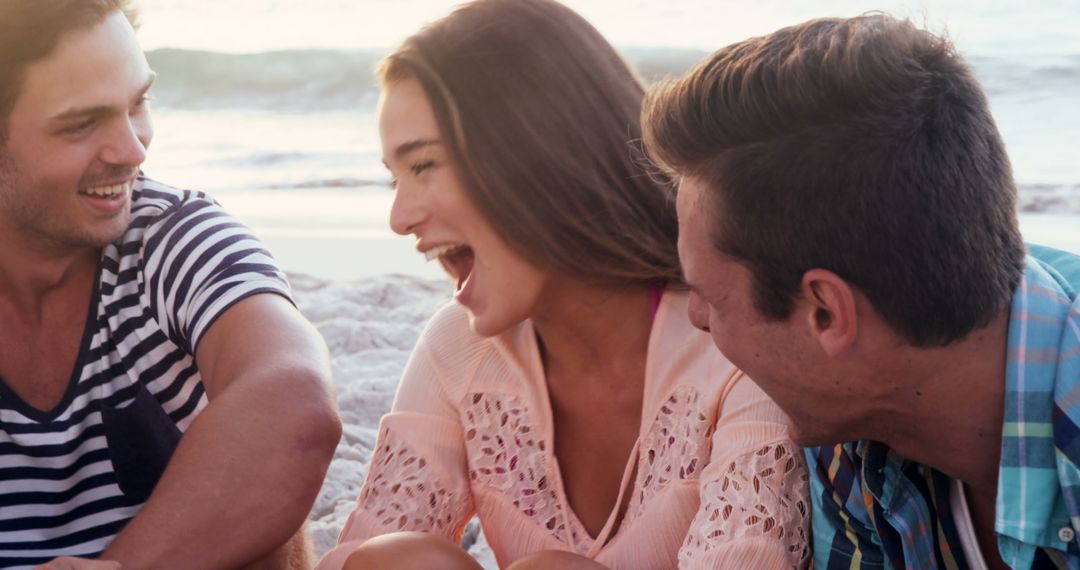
{"type": "Point", "coordinates": [421, 166]}
{"type": "Point", "coordinates": [416, 170]}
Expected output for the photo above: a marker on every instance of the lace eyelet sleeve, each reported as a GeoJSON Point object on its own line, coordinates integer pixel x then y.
{"type": "Point", "coordinates": [418, 476]}
{"type": "Point", "coordinates": [414, 483]}
{"type": "Point", "coordinates": [754, 495]}
{"type": "Point", "coordinates": [406, 491]}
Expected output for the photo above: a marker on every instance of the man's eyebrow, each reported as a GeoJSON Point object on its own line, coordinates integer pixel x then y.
{"type": "Point", "coordinates": [99, 110]}
{"type": "Point", "coordinates": [405, 148]}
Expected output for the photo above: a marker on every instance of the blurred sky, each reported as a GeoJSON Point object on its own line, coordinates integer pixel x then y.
{"type": "Point", "coordinates": [987, 27]}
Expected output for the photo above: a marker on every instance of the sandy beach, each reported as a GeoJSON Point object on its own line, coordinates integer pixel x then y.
{"type": "Point", "coordinates": [370, 326]}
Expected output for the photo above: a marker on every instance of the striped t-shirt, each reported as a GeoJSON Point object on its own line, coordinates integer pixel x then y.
{"type": "Point", "coordinates": [72, 477]}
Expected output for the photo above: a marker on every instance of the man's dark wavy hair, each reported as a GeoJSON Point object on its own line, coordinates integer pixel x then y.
{"type": "Point", "coordinates": [863, 146]}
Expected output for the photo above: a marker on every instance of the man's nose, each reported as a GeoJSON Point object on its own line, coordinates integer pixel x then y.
{"type": "Point", "coordinates": [128, 141]}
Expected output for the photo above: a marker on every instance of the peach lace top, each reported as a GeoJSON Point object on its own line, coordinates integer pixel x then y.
{"type": "Point", "coordinates": [716, 481]}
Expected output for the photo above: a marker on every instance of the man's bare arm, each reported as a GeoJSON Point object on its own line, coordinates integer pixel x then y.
{"type": "Point", "coordinates": [297, 554]}
{"type": "Point", "coordinates": [247, 471]}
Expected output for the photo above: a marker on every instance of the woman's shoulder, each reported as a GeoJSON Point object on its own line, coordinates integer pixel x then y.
{"type": "Point", "coordinates": [449, 330]}
{"type": "Point", "coordinates": [465, 358]}
{"type": "Point", "coordinates": [681, 352]}
{"type": "Point", "coordinates": [450, 321]}
{"type": "Point", "coordinates": [685, 358]}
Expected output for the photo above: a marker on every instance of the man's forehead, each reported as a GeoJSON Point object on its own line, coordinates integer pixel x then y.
{"type": "Point", "coordinates": [94, 66]}
{"type": "Point", "coordinates": [696, 206]}
{"type": "Point", "coordinates": [691, 219]}
{"type": "Point", "coordinates": [690, 195]}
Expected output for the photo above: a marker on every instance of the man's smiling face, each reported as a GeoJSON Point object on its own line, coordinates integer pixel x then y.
{"type": "Point", "coordinates": [75, 138]}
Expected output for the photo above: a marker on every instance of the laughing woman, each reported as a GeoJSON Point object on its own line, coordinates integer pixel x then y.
{"type": "Point", "coordinates": [564, 397]}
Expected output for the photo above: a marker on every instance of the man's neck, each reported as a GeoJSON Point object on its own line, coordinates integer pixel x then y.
{"type": "Point", "coordinates": [32, 273]}
{"type": "Point", "coordinates": [949, 412]}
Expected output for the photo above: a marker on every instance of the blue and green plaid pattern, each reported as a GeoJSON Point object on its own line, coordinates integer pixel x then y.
{"type": "Point", "coordinates": [874, 509]}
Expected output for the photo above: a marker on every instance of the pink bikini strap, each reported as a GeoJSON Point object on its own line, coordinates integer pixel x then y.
{"type": "Point", "coordinates": [656, 292]}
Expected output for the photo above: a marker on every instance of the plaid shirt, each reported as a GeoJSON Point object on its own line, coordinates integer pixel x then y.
{"type": "Point", "coordinates": [875, 509]}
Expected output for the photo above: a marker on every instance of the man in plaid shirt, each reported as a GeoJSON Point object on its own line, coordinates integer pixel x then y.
{"type": "Point", "coordinates": [848, 231]}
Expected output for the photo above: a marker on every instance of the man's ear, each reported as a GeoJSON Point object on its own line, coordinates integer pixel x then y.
{"type": "Point", "coordinates": [831, 317]}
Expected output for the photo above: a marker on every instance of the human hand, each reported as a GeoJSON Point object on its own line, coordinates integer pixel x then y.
{"type": "Point", "coordinates": [70, 563]}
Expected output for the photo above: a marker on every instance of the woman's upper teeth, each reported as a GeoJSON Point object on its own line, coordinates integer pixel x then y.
{"type": "Point", "coordinates": [441, 250]}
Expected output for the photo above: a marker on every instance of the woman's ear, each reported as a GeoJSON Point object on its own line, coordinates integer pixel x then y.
{"type": "Point", "coordinates": [831, 318]}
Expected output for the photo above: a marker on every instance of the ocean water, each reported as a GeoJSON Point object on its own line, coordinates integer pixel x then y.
{"type": "Point", "coordinates": [287, 141]}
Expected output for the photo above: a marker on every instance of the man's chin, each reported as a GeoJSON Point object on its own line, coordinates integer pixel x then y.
{"type": "Point", "coordinates": [110, 239]}
{"type": "Point", "coordinates": [100, 237]}
{"type": "Point", "coordinates": [811, 437]}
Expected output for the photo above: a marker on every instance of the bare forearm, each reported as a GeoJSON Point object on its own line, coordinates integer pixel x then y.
{"type": "Point", "coordinates": [242, 480]}
{"type": "Point", "coordinates": [293, 555]}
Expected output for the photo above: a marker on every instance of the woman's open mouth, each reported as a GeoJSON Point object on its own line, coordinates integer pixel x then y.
{"type": "Point", "coordinates": [456, 259]}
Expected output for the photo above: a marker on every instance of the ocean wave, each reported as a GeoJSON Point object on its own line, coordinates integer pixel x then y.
{"type": "Point", "coordinates": [315, 79]}
{"type": "Point", "coordinates": [268, 158]}
{"type": "Point", "coordinates": [1050, 199]}
{"type": "Point", "coordinates": [1028, 76]}
{"type": "Point", "coordinates": [320, 80]}
{"type": "Point", "coordinates": [343, 182]}
{"type": "Point", "coordinates": [299, 80]}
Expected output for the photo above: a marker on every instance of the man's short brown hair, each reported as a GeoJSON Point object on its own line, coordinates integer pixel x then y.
{"type": "Point", "coordinates": [863, 146]}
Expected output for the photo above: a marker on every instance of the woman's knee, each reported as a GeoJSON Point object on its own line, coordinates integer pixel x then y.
{"type": "Point", "coordinates": [409, 551]}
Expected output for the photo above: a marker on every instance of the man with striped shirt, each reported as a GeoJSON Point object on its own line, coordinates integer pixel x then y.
{"type": "Point", "coordinates": [132, 314]}
{"type": "Point", "coordinates": [848, 230]}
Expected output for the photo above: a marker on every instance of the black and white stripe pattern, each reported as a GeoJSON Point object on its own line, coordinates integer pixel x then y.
{"type": "Point", "coordinates": [72, 477]}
